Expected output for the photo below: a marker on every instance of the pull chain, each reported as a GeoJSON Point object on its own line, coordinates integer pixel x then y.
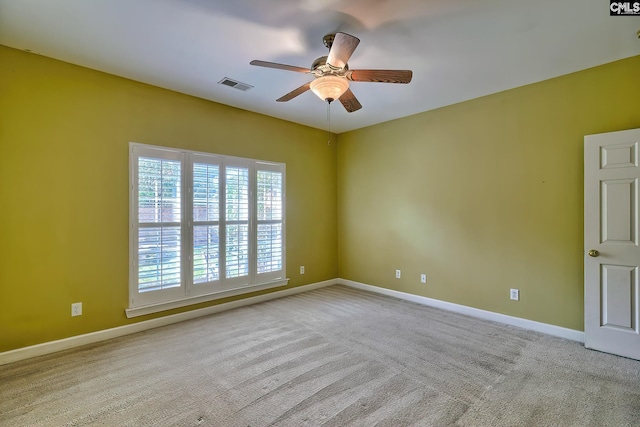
{"type": "Point", "coordinates": [329, 122]}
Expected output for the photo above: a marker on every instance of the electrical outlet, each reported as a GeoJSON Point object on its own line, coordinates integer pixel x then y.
{"type": "Point", "coordinates": [398, 274]}
{"type": "Point", "coordinates": [423, 278]}
{"type": "Point", "coordinates": [515, 294]}
{"type": "Point", "coordinates": [302, 269]}
{"type": "Point", "coordinates": [76, 309]}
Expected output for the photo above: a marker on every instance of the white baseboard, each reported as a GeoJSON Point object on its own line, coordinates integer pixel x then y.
{"type": "Point", "coordinates": [545, 328]}
{"type": "Point", "coordinates": [93, 337]}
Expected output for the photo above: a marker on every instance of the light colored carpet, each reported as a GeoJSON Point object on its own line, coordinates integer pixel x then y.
{"type": "Point", "coordinates": [330, 357]}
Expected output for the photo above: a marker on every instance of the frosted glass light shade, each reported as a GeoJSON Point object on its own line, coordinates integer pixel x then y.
{"type": "Point", "coordinates": [329, 88]}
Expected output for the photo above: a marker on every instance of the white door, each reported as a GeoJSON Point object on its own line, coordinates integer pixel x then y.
{"type": "Point", "coordinates": [612, 254]}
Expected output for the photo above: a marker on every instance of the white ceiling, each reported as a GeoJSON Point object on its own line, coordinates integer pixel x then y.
{"type": "Point", "coordinates": [457, 49]}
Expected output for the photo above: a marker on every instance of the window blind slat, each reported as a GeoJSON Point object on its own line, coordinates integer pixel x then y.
{"type": "Point", "coordinates": [159, 187]}
{"type": "Point", "coordinates": [206, 214]}
{"type": "Point", "coordinates": [237, 193]}
{"type": "Point", "coordinates": [269, 242]}
{"type": "Point", "coordinates": [158, 258]}
{"type": "Point", "coordinates": [206, 183]}
{"type": "Point", "coordinates": [237, 251]}
{"type": "Point", "coordinates": [269, 200]}
{"type": "Point", "coordinates": [159, 202]}
{"type": "Point", "coordinates": [237, 212]}
{"type": "Point", "coordinates": [269, 215]}
{"type": "Point", "coordinates": [206, 256]}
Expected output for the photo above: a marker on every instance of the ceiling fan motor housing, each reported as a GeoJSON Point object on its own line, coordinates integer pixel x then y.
{"type": "Point", "coordinates": [320, 68]}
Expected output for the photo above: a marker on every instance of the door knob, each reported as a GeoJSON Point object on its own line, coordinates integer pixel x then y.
{"type": "Point", "coordinates": [594, 253]}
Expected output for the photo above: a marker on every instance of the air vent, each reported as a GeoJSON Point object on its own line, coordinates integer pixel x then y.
{"type": "Point", "coordinates": [235, 84]}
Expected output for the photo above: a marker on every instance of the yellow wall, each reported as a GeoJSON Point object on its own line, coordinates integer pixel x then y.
{"type": "Point", "coordinates": [64, 134]}
{"type": "Point", "coordinates": [482, 196]}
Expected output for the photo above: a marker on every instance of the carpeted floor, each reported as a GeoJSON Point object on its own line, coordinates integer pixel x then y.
{"type": "Point", "coordinates": [330, 357]}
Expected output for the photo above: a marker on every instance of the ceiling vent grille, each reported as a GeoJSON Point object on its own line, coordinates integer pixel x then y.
{"type": "Point", "coordinates": [235, 84]}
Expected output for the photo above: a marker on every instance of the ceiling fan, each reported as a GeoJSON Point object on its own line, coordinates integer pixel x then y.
{"type": "Point", "coordinates": [332, 74]}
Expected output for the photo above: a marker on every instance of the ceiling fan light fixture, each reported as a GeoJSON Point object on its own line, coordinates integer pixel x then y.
{"type": "Point", "coordinates": [329, 88]}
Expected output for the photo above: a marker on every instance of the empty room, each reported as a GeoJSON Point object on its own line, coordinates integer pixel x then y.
{"type": "Point", "coordinates": [319, 213]}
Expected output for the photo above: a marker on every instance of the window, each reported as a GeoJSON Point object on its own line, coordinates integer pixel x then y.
{"type": "Point", "coordinates": [203, 226]}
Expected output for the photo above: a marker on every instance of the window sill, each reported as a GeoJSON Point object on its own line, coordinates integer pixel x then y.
{"type": "Point", "coordinates": [168, 305]}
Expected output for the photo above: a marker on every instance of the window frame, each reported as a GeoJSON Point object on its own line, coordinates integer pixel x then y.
{"type": "Point", "coordinates": [189, 292]}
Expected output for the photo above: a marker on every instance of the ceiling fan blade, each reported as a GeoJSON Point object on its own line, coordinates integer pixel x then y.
{"type": "Point", "coordinates": [380, 76]}
{"type": "Point", "coordinates": [341, 49]}
{"type": "Point", "coordinates": [299, 91]}
{"type": "Point", "coordinates": [350, 102]}
{"type": "Point", "coordinates": [279, 66]}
